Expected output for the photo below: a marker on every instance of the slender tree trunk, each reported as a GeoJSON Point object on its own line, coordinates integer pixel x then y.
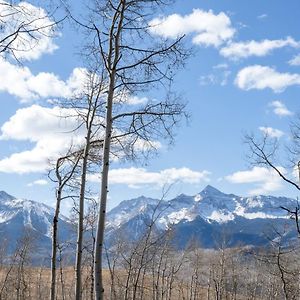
{"type": "Point", "coordinates": [99, 288]}
{"type": "Point", "coordinates": [61, 184]}
{"type": "Point", "coordinates": [81, 215]}
{"type": "Point", "coordinates": [54, 243]}
{"type": "Point", "coordinates": [112, 61]}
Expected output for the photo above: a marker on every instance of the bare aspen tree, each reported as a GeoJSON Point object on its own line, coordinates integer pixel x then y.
{"type": "Point", "coordinates": [62, 181]}
{"type": "Point", "coordinates": [134, 61]}
{"type": "Point", "coordinates": [264, 151]}
{"type": "Point", "coordinates": [71, 169]}
{"type": "Point", "coordinates": [93, 97]}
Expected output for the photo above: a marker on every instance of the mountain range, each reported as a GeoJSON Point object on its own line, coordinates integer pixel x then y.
{"type": "Point", "coordinates": [210, 217]}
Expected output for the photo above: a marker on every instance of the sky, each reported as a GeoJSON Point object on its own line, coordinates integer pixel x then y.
{"type": "Point", "coordinates": [243, 77]}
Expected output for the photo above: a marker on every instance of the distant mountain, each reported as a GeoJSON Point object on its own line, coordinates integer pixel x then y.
{"type": "Point", "coordinates": [18, 216]}
{"type": "Point", "coordinates": [209, 217]}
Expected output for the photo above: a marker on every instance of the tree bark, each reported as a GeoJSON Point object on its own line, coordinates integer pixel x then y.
{"type": "Point", "coordinates": [81, 216]}
{"type": "Point", "coordinates": [54, 243]}
{"type": "Point", "coordinates": [112, 61]}
{"type": "Point", "coordinates": [99, 287]}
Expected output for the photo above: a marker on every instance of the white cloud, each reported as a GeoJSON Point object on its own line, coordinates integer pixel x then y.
{"type": "Point", "coordinates": [280, 109]}
{"type": "Point", "coordinates": [262, 77]}
{"type": "Point", "coordinates": [20, 82]}
{"type": "Point", "coordinates": [127, 98]}
{"type": "Point", "coordinates": [262, 16]}
{"type": "Point", "coordinates": [271, 132]}
{"type": "Point", "coordinates": [38, 182]}
{"type": "Point", "coordinates": [295, 61]}
{"type": "Point", "coordinates": [134, 100]}
{"type": "Point", "coordinates": [209, 29]}
{"type": "Point", "coordinates": [29, 46]}
{"type": "Point", "coordinates": [254, 48]}
{"type": "Point", "coordinates": [51, 131]}
{"type": "Point", "coordinates": [140, 177]}
{"type": "Point", "coordinates": [265, 180]}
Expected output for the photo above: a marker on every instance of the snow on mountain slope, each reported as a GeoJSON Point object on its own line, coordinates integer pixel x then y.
{"type": "Point", "coordinates": [34, 215]}
{"type": "Point", "coordinates": [130, 208]}
{"type": "Point", "coordinates": [210, 204]}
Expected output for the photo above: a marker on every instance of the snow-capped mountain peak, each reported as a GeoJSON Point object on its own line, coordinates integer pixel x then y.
{"type": "Point", "coordinates": [204, 216]}
{"type": "Point", "coordinates": [210, 191]}
{"type": "Point", "coordinates": [210, 204]}
{"type": "Point", "coordinates": [26, 213]}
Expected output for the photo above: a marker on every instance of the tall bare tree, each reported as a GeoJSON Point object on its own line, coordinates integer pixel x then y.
{"type": "Point", "coordinates": [134, 62]}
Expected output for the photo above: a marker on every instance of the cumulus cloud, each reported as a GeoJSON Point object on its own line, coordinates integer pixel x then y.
{"type": "Point", "coordinates": [295, 61]}
{"type": "Point", "coordinates": [208, 29]}
{"type": "Point", "coordinates": [20, 82]}
{"type": "Point", "coordinates": [265, 180]}
{"type": "Point", "coordinates": [254, 48]}
{"type": "Point", "coordinates": [280, 109]}
{"type": "Point", "coordinates": [51, 132]}
{"type": "Point", "coordinates": [271, 132]}
{"type": "Point", "coordinates": [37, 31]}
{"type": "Point", "coordinates": [262, 77]}
{"type": "Point", "coordinates": [38, 182]}
{"type": "Point", "coordinates": [50, 129]}
{"type": "Point", "coordinates": [140, 177]}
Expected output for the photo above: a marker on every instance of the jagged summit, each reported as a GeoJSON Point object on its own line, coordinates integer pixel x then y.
{"type": "Point", "coordinates": [210, 190]}
{"type": "Point", "coordinates": [210, 204]}
{"type": "Point", "coordinates": [203, 215]}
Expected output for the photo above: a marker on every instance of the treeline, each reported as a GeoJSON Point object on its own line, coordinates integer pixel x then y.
{"type": "Point", "coordinates": [151, 268]}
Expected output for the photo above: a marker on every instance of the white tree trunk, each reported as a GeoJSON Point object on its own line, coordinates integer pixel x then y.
{"type": "Point", "coordinates": [81, 216]}
{"type": "Point", "coordinates": [99, 287]}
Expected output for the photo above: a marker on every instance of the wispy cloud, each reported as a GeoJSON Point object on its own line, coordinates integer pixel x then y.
{"type": "Point", "coordinates": [262, 16]}
{"type": "Point", "coordinates": [262, 77]}
{"type": "Point", "coordinates": [208, 29]}
{"type": "Point", "coordinates": [295, 61]}
{"type": "Point", "coordinates": [255, 48]}
{"type": "Point", "coordinates": [219, 76]}
{"type": "Point", "coordinates": [271, 132]}
{"type": "Point", "coordinates": [38, 182]}
{"type": "Point", "coordinates": [280, 109]}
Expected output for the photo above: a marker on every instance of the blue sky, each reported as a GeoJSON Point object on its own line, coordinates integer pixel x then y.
{"type": "Point", "coordinates": [243, 77]}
